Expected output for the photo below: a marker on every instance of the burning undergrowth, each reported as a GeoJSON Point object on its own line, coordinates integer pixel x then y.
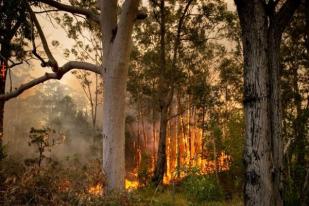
{"type": "Point", "coordinates": [52, 184]}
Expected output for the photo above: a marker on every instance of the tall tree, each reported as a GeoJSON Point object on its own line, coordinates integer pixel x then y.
{"type": "Point", "coordinates": [14, 31]}
{"type": "Point", "coordinates": [295, 106]}
{"type": "Point", "coordinates": [116, 31]}
{"type": "Point", "coordinates": [116, 52]}
{"type": "Point", "coordinates": [166, 84]}
{"type": "Point", "coordinates": [262, 24]}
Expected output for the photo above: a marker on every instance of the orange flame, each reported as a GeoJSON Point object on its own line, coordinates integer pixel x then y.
{"type": "Point", "coordinates": [96, 190]}
{"type": "Point", "coordinates": [131, 185]}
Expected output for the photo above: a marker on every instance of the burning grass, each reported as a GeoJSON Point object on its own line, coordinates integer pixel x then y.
{"type": "Point", "coordinates": [74, 184]}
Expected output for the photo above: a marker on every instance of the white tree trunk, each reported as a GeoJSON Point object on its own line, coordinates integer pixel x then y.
{"type": "Point", "coordinates": [114, 126]}
{"type": "Point", "coordinates": [117, 47]}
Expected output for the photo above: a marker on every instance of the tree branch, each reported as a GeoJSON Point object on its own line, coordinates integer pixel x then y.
{"type": "Point", "coordinates": [52, 61]}
{"type": "Point", "coordinates": [72, 9]}
{"type": "Point", "coordinates": [46, 11]}
{"type": "Point", "coordinates": [285, 14]}
{"type": "Point", "coordinates": [127, 18]}
{"type": "Point", "coordinates": [47, 76]}
{"type": "Point", "coordinates": [108, 23]}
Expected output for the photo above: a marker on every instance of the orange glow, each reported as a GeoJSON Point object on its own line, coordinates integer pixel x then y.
{"type": "Point", "coordinates": [96, 190]}
{"type": "Point", "coordinates": [64, 185]}
{"type": "Point", "coordinates": [185, 153]}
{"type": "Point", "coordinates": [131, 185]}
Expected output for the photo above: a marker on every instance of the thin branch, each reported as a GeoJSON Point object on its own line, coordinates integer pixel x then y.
{"type": "Point", "coordinates": [72, 9]}
{"type": "Point", "coordinates": [14, 64]}
{"type": "Point", "coordinates": [52, 61]}
{"type": "Point", "coordinates": [10, 77]}
{"type": "Point", "coordinates": [46, 11]}
{"type": "Point", "coordinates": [47, 76]}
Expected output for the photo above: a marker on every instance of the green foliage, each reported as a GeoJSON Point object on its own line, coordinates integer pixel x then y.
{"type": "Point", "coordinates": [44, 139]}
{"type": "Point", "coordinates": [68, 183]}
{"type": "Point", "coordinates": [202, 187]}
{"type": "Point", "coordinates": [14, 24]}
{"type": "Point", "coordinates": [233, 179]}
{"type": "Point", "coordinates": [295, 87]}
{"type": "Point", "coordinates": [143, 172]}
{"type": "Point", "coordinates": [291, 195]}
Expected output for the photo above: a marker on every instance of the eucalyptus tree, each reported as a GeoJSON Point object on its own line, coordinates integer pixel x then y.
{"type": "Point", "coordinates": [262, 24]}
{"type": "Point", "coordinates": [116, 28]}
{"type": "Point", "coordinates": [14, 32]}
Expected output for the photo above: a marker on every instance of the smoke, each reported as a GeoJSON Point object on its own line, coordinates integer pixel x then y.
{"type": "Point", "coordinates": [51, 105]}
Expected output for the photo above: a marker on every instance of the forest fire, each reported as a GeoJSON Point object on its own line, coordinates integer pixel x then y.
{"type": "Point", "coordinates": [131, 185]}
{"type": "Point", "coordinates": [64, 186]}
{"type": "Point", "coordinates": [96, 189]}
{"type": "Point", "coordinates": [188, 149]}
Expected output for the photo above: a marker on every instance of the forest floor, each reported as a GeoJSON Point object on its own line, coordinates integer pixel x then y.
{"type": "Point", "coordinates": [72, 184]}
{"type": "Point", "coordinates": [177, 197]}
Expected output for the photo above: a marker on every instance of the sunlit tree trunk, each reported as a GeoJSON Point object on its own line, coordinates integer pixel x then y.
{"type": "Point", "coordinates": [116, 51]}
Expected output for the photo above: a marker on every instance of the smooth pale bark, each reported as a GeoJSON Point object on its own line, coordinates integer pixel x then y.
{"type": "Point", "coordinates": [116, 52]}
{"type": "Point", "coordinates": [262, 29]}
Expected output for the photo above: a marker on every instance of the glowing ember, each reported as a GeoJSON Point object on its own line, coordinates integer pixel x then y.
{"type": "Point", "coordinates": [64, 186]}
{"type": "Point", "coordinates": [131, 184]}
{"type": "Point", "coordinates": [96, 190]}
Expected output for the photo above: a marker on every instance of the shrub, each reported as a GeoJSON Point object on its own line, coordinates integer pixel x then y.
{"type": "Point", "coordinates": [2, 152]}
{"type": "Point", "coordinates": [202, 187]}
{"type": "Point", "coordinates": [143, 172]}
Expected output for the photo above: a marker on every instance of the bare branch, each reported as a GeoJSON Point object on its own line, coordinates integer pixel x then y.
{"type": "Point", "coordinates": [47, 76]}
{"type": "Point", "coordinates": [72, 9]}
